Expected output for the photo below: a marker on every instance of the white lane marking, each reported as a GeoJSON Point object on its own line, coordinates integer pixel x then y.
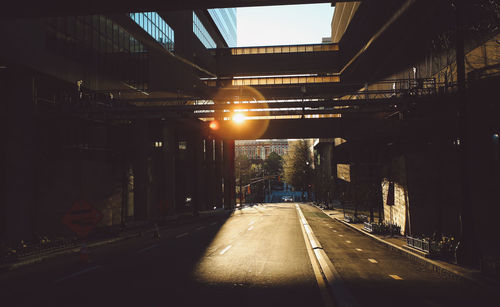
{"type": "Point", "coordinates": [396, 277]}
{"type": "Point", "coordinates": [341, 235]}
{"type": "Point", "coordinates": [148, 248]}
{"type": "Point", "coordinates": [78, 273]}
{"type": "Point", "coordinates": [373, 260]}
{"type": "Point", "coordinates": [251, 227]}
{"type": "Point", "coordinates": [181, 235]}
{"type": "Point", "coordinates": [213, 223]}
{"type": "Point", "coordinates": [200, 228]}
{"type": "Point", "coordinates": [334, 230]}
{"type": "Point", "coordinates": [359, 249]}
{"type": "Point", "coordinates": [225, 250]}
{"type": "Point", "coordinates": [347, 241]}
{"type": "Point", "coordinates": [251, 223]}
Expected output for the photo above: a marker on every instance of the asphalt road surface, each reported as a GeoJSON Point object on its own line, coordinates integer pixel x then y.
{"type": "Point", "coordinates": [258, 256]}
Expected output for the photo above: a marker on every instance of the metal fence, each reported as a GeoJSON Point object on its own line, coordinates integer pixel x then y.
{"type": "Point", "coordinates": [420, 244]}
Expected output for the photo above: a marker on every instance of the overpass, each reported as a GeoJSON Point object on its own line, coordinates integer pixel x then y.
{"type": "Point", "coordinates": [136, 114]}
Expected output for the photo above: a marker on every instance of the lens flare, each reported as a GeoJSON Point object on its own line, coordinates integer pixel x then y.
{"type": "Point", "coordinates": [214, 125]}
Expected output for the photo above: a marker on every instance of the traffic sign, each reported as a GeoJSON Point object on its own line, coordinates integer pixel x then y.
{"type": "Point", "coordinates": [82, 218]}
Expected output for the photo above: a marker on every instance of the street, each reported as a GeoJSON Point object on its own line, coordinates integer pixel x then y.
{"type": "Point", "coordinates": [257, 256]}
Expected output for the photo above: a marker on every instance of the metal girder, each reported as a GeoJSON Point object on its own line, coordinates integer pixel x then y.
{"type": "Point", "coordinates": [62, 7]}
{"type": "Point", "coordinates": [334, 127]}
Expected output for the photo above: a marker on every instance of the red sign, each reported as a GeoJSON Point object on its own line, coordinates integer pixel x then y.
{"type": "Point", "coordinates": [82, 218]}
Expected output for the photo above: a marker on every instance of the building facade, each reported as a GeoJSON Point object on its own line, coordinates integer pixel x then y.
{"type": "Point", "coordinates": [261, 149]}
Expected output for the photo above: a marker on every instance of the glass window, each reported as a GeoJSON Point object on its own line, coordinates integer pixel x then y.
{"type": "Point", "coordinates": [156, 27]}
{"type": "Point", "coordinates": [201, 32]}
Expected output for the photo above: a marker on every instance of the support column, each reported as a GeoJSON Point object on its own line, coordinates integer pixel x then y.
{"type": "Point", "coordinates": [218, 173]}
{"type": "Point", "coordinates": [229, 179]}
{"type": "Point", "coordinates": [468, 252]}
{"type": "Point", "coordinates": [17, 210]}
{"type": "Point", "coordinates": [141, 172]}
{"type": "Point", "coordinates": [209, 178]}
{"type": "Point", "coordinates": [197, 172]}
{"type": "Point", "coordinates": [169, 151]}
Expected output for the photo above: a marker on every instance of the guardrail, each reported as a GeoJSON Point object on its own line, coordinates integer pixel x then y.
{"type": "Point", "coordinates": [420, 244]}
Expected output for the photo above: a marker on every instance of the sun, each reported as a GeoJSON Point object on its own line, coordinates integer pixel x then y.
{"type": "Point", "coordinates": [239, 118]}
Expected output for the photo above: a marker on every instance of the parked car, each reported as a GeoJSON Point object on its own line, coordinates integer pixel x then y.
{"type": "Point", "coordinates": [287, 198]}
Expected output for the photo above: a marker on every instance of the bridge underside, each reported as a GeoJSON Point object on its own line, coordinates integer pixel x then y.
{"type": "Point", "coordinates": [352, 129]}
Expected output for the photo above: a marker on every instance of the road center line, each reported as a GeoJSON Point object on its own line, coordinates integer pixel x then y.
{"type": "Point", "coordinates": [373, 260]}
{"type": "Point", "coordinates": [251, 223]}
{"type": "Point", "coordinates": [359, 249]}
{"type": "Point", "coordinates": [225, 250]}
{"type": "Point", "coordinates": [182, 235]}
{"type": "Point", "coordinates": [78, 273]}
{"type": "Point", "coordinates": [396, 277]}
{"type": "Point", "coordinates": [251, 227]}
{"type": "Point", "coordinates": [341, 235]}
{"type": "Point", "coordinates": [148, 248]}
{"type": "Point", "coordinates": [347, 241]}
{"type": "Point", "coordinates": [200, 228]}
{"type": "Point", "coordinates": [213, 223]}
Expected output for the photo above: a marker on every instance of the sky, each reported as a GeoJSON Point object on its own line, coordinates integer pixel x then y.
{"type": "Point", "coordinates": [283, 25]}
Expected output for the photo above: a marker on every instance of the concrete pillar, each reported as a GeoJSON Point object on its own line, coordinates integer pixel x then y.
{"type": "Point", "coordinates": [218, 174]}
{"type": "Point", "coordinates": [141, 149]}
{"type": "Point", "coordinates": [170, 148]}
{"type": "Point", "coordinates": [229, 179]}
{"type": "Point", "coordinates": [209, 177]}
{"type": "Point", "coordinates": [196, 148]}
{"type": "Point", "coordinates": [19, 179]}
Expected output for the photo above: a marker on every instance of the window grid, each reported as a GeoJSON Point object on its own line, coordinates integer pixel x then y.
{"type": "Point", "coordinates": [159, 30]}
{"type": "Point", "coordinates": [99, 42]}
{"type": "Point", "coordinates": [285, 49]}
{"type": "Point", "coordinates": [201, 32]}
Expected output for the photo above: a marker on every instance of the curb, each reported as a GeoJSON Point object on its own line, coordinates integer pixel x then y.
{"type": "Point", "coordinates": [428, 263]}
{"type": "Point", "coordinates": [75, 249]}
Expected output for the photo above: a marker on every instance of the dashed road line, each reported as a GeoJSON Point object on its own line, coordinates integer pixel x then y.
{"type": "Point", "coordinates": [396, 277]}
{"type": "Point", "coordinates": [147, 248]}
{"type": "Point", "coordinates": [373, 261]}
{"type": "Point", "coordinates": [251, 223]}
{"type": "Point", "coordinates": [341, 235]}
{"type": "Point", "coordinates": [347, 241]}
{"type": "Point", "coordinates": [78, 273]}
{"type": "Point", "coordinates": [181, 235]}
{"type": "Point", "coordinates": [200, 228]}
{"type": "Point", "coordinates": [213, 223]}
{"type": "Point", "coordinates": [359, 249]}
{"type": "Point", "coordinates": [251, 227]}
{"type": "Point", "coordinates": [225, 250]}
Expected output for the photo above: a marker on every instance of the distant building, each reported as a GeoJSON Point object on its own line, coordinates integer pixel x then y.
{"type": "Point", "coordinates": [261, 148]}
{"type": "Point", "coordinates": [326, 40]}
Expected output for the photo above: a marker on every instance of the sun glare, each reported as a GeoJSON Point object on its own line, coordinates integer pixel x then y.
{"type": "Point", "coordinates": [239, 118]}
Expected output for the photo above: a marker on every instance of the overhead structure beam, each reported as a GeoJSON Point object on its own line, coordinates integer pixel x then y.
{"type": "Point", "coordinates": [62, 7]}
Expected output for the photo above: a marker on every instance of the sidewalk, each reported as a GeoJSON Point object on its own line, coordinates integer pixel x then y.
{"type": "Point", "coordinates": [110, 236]}
{"type": "Point", "coordinates": [398, 244]}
